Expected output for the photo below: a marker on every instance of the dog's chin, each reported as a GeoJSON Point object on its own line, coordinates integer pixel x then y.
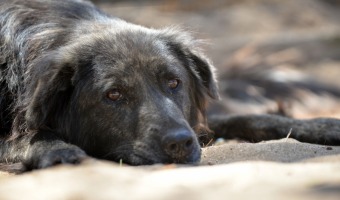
{"type": "Point", "coordinates": [141, 153]}
{"type": "Point", "coordinates": [141, 159]}
{"type": "Point", "coordinates": [137, 159]}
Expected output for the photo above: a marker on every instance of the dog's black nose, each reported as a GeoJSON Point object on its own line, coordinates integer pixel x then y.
{"type": "Point", "coordinates": [179, 145]}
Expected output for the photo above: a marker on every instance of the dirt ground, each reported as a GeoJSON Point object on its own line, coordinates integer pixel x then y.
{"type": "Point", "coordinates": [272, 56]}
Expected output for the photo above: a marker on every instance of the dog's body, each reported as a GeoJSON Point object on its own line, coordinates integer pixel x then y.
{"type": "Point", "coordinates": [70, 74]}
{"type": "Point", "coordinates": [76, 82]}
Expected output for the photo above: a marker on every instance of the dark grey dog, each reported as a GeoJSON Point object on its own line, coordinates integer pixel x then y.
{"type": "Point", "coordinates": [75, 82]}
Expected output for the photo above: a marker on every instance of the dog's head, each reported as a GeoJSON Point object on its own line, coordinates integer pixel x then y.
{"type": "Point", "coordinates": [133, 94]}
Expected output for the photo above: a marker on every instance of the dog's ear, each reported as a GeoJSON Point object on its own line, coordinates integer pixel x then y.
{"type": "Point", "coordinates": [188, 51]}
{"type": "Point", "coordinates": [51, 88]}
{"type": "Point", "coordinates": [205, 71]}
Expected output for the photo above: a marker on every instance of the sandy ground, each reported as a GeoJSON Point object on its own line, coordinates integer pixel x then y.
{"type": "Point", "coordinates": [282, 169]}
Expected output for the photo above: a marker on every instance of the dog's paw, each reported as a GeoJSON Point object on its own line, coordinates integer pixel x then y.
{"type": "Point", "coordinates": [56, 157]}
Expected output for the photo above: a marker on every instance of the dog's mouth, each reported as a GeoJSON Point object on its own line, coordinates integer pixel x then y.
{"type": "Point", "coordinates": [143, 155]}
{"type": "Point", "coordinates": [140, 159]}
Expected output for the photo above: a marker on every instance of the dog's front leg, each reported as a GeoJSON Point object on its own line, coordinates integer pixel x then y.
{"type": "Point", "coordinates": [39, 150]}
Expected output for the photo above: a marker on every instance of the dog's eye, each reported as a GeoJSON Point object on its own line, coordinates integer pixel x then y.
{"type": "Point", "coordinates": [173, 83]}
{"type": "Point", "coordinates": [114, 95]}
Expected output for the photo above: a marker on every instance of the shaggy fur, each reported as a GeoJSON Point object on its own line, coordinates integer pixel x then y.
{"type": "Point", "coordinates": [60, 60]}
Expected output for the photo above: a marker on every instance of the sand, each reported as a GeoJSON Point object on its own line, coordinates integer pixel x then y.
{"type": "Point", "coordinates": [280, 169]}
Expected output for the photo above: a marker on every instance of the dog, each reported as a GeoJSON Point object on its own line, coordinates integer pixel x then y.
{"type": "Point", "coordinates": [77, 82]}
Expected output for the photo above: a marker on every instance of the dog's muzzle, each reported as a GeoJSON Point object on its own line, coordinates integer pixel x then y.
{"type": "Point", "coordinates": [181, 146]}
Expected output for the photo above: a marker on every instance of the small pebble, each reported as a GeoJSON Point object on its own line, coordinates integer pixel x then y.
{"type": "Point", "coordinates": [219, 141]}
{"type": "Point", "coordinates": [210, 163]}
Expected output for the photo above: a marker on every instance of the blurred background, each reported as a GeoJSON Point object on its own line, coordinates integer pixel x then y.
{"type": "Point", "coordinates": [272, 56]}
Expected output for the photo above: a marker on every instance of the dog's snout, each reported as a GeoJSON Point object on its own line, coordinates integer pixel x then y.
{"type": "Point", "coordinates": [179, 144]}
